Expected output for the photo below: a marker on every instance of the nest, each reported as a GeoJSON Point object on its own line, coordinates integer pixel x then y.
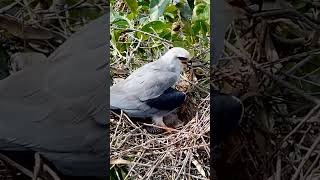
{"type": "Point", "coordinates": [181, 154]}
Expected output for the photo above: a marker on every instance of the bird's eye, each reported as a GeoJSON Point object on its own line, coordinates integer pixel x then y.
{"type": "Point", "coordinates": [182, 58]}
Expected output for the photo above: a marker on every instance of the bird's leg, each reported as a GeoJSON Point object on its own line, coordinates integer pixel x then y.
{"type": "Point", "coordinates": [158, 121]}
{"type": "Point", "coordinates": [172, 120]}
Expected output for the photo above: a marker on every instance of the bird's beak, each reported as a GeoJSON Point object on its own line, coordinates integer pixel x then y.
{"type": "Point", "coordinates": [183, 60]}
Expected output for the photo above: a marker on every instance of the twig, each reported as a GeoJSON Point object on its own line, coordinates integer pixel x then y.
{"type": "Point", "coordinates": [293, 42]}
{"type": "Point", "coordinates": [73, 6]}
{"type": "Point", "coordinates": [278, 170]}
{"type": "Point", "coordinates": [316, 161]}
{"type": "Point", "coordinates": [4, 9]}
{"type": "Point", "coordinates": [300, 64]}
{"type": "Point", "coordinates": [302, 79]}
{"type": "Point", "coordinates": [26, 5]}
{"type": "Point", "coordinates": [37, 167]}
{"type": "Point", "coordinates": [288, 85]}
{"type": "Point", "coordinates": [305, 158]}
{"type": "Point", "coordinates": [184, 164]}
{"type": "Point", "coordinates": [290, 13]}
{"type": "Point", "coordinates": [308, 116]}
{"type": "Point", "coordinates": [289, 58]}
{"type": "Point", "coordinates": [149, 173]}
{"type": "Point", "coordinates": [53, 174]}
{"type": "Point", "coordinates": [18, 166]}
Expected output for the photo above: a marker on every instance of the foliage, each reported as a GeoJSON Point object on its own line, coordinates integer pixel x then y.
{"type": "Point", "coordinates": [159, 23]}
{"type": "Point", "coordinates": [118, 173]}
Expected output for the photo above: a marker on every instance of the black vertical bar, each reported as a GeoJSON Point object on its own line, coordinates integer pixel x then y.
{"type": "Point", "coordinates": [108, 89]}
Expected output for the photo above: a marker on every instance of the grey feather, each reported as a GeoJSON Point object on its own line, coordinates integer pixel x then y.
{"type": "Point", "coordinates": [147, 82]}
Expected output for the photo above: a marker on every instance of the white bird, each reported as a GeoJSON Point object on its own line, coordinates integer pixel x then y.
{"type": "Point", "coordinates": [148, 91]}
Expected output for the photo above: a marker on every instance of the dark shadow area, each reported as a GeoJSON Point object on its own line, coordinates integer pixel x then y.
{"type": "Point", "coordinates": [54, 92]}
{"type": "Point", "coordinates": [271, 61]}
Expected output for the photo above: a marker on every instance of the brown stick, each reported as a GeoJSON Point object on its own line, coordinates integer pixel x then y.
{"type": "Point", "coordinates": [305, 158]}
{"type": "Point", "coordinates": [24, 170]}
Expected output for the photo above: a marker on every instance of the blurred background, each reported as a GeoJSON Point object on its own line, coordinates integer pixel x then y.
{"type": "Point", "coordinates": [30, 30]}
{"type": "Point", "coordinates": [271, 60]}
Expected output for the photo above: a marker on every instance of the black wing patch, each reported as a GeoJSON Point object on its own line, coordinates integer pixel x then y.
{"type": "Point", "coordinates": [169, 100]}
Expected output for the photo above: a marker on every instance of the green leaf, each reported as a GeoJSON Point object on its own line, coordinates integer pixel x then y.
{"type": "Point", "coordinates": [196, 27]}
{"type": "Point", "coordinates": [131, 16]}
{"type": "Point", "coordinates": [165, 34]}
{"type": "Point", "coordinates": [178, 43]}
{"type": "Point", "coordinates": [187, 28]}
{"type": "Point", "coordinates": [157, 8]}
{"type": "Point", "coordinates": [171, 9]}
{"type": "Point", "coordinates": [133, 5]}
{"type": "Point", "coordinates": [204, 27]}
{"type": "Point", "coordinates": [169, 15]}
{"type": "Point", "coordinates": [201, 12]}
{"type": "Point", "coordinates": [121, 22]}
{"type": "Point", "coordinates": [154, 26]}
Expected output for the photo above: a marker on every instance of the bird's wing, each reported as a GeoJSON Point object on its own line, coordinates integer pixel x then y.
{"type": "Point", "coordinates": [148, 82]}
{"type": "Point", "coordinates": [152, 80]}
{"type": "Point", "coordinates": [169, 100]}
{"type": "Point", "coordinates": [153, 85]}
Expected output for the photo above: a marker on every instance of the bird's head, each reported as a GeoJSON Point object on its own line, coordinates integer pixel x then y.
{"type": "Point", "coordinates": [174, 57]}
{"type": "Point", "coordinates": [177, 54]}
{"type": "Point", "coordinates": [180, 54]}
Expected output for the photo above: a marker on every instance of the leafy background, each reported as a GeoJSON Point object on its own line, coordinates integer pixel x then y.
{"type": "Point", "coordinates": [181, 23]}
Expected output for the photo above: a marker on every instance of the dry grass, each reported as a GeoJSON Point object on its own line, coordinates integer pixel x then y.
{"type": "Point", "coordinates": [180, 154]}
